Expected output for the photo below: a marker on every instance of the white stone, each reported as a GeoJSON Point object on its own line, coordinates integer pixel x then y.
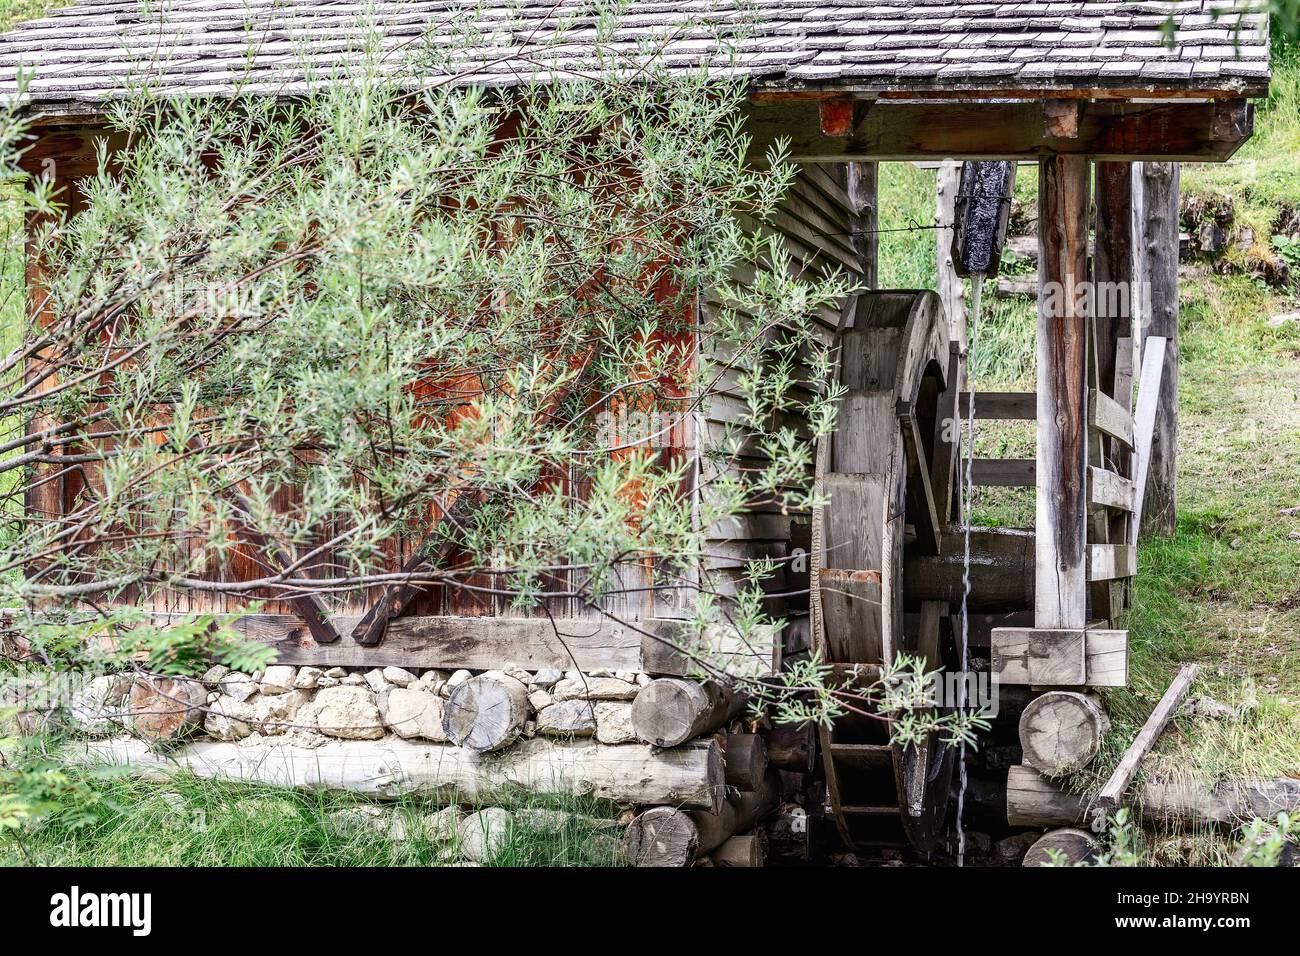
{"type": "Point", "coordinates": [367, 819]}
{"type": "Point", "coordinates": [237, 685]}
{"type": "Point", "coordinates": [375, 680]}
{"type": "Point", "coordinates": [324, 681]}
{"type": "Point", "coordinates": [454, 681]}
{"type": "Point", "coordinates": [413, 713]}
{"type": "Point", "coordinates": [212, 676]}
{"type": "Point", "coordinates": [277, 713]}
{"type": "Point", "coordinates": [352, 680]}
{"type": "Point", "coordinates": [442, 826]}
{"type": "Point", "coordinates": [614, 722]}
{"type": "Point", "coordinates": [308, 678]}
{"type": "Point", "coordinates": [484, 833]}
{"type": "Point", "coordinates": [629, 676]}
{"type": "Point", "coordinates": [566, 718]}
{"type": "Point", "coordinates": [338, 673]}
{"type": "Point", "coordinates": [643, 680]}
{"type": "Point", "coordinates": [398, 677]}
{"type": "Point", "coordinates": [546, 678]}
{"type": "Point", "coordinates": [518, 673]}
{"type": "Point", "coordinates": [600, 672]}
{"type": "Point", "coordinates": [100, 707]}
{"type": "Point", "coordinates": [349, 713]}
{"type": "Point", "coordinates": [540, 699]}
{"type": "Point", "coordinates": [229, 718]}
{"type": "Point", "coordinates": [278, 679]}
{"type": "Point", "coordinates": [594, 688]}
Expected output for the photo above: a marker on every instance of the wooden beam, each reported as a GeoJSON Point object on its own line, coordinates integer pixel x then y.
{"type": "Point", "coordinates": [1158, 276]}
{"type": "Point", "coordinates": [1106, 653]}
{"type": "Point", "coordinates": [1113, 264]}
{"type": "Point", "coordinates": [476, 643]}
{"type": "Point", "coordinates": [1108, 490]}
{"type": "Point", "coordinates": [951, 288]}
{"type": "Point", "coordinates": [1114, 789]}
{"type": "Point", "coordinates": [1003, 472]}
{"type": "Point", "coordinates": [1106, 562]}
{"type": "Point", "coordinates": [1039, 656]}
{"type": "Point", "coordinates": [920, 495]}
{"type": "Point", "coordinates": [1060, 592]}
{"type": "Point", "coordinates": [1087, 657]}
{"type": "Point", "coordinates": [915, 130]}
{"type": "Point", "coordinates": [1109, 417]}
{"type": "Point", "coordinates": [1002, 406]}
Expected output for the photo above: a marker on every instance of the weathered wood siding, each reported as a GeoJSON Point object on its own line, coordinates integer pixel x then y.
{"type": "Point", "coordinates": [827, 223]}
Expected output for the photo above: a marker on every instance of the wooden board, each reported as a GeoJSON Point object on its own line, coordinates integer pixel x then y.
{"type": "Point", "coordinates": [1001, 406]}
{"type": "Point", "coordinates": [1004, 472]}
{"type": "Point", "coordinates": [477, 643]}
{"type": "Point", "coordinates": [1106, 562]}
{"type": "Point", "coordinates": [1108, 416]}
{"type": "Point", "coordinates": [1039, 656]}
{"type": "Point", "coordinates": [1019, 659]}
{"type": "Point", "coordinates": [1109, 796]}
{"type": "Point", "coordinates": [1148, 403]}
{"type": "Point", "coordinates": [1108, 490]}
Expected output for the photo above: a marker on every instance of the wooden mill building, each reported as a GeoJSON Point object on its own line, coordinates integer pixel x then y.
{"type": "Point", "coordinates": [1101, 95]}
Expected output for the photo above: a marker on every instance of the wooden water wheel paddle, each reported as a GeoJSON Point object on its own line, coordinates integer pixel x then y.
{"type": "Point", "coordinates": [887, 472]}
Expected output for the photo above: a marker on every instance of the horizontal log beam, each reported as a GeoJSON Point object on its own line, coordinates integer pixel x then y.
{"type": "Point", "coordinates": [476, 643]}
{"type": "Point", "coordinates": [690, 777]}
{"type": "Point", "coordinates": [912, 129]}
{"type": "Point", "coordinates": [1035, 801]}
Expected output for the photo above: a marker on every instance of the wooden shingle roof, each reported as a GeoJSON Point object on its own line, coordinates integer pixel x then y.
{"type": "Point", "coordinates": [96, 49]}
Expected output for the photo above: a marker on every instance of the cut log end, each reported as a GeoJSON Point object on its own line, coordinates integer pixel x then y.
{"type": "Point", "coordinates": [746, 761]}
{"type": "Point", "coordinates": [1062, 731]}
{"type": "Point", "coordinates": [486, 712]}
{"type": "Point", "coordinates": [662, 836]}
{"type": "Point", "coordinates": [749, 849]}
{"type": "Point", "coordinates": [166, 708]}
{"type": "Point", "coordinates": [671, 711]}
{"type": "Point", "coordinates": [1068, 846]}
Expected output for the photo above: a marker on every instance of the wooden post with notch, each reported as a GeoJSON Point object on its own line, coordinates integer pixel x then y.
{"type": "Point", "coordinates": [1060, 580]}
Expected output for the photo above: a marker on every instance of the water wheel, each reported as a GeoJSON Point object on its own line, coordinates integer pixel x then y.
{"type": "Point", "coordinates": [887, 471]}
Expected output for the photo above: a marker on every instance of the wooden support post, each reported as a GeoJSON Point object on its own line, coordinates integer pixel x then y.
{"type": "Point", "coordinates": [1113, 265]}
{"type": "Point", "coordinates": [863, 183]}
{"type": "Point", "coordinates": [1157, 218]}
{"type": "Point", "coordinates": [1060, 589]}
{"type": "Point", "coordinates": [951, 289]}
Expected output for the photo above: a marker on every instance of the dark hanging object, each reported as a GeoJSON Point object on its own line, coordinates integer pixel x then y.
{"type": "Point", "coordinates": [983, 208]}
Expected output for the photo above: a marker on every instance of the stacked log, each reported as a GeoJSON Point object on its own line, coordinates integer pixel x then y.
{"type": "Point", "coordinates": [671, 712]}
{"type": "Point", "coordinates": [701, 777]}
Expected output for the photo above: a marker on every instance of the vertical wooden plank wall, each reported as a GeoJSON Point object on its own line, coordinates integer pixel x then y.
{"type": "Point", "coordinates": [828, 221]}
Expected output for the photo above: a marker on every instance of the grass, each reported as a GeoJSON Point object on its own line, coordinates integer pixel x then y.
{"type": "Point", "coordinates": [190, 822]}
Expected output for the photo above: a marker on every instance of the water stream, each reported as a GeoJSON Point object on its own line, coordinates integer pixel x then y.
{"type": "Point", "coordinates": [967, 486]}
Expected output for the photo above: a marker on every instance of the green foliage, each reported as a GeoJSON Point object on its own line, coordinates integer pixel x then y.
{"type": "Point", "coordinates": [1263, 841]}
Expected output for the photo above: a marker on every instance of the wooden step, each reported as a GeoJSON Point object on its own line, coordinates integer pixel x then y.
{"type": "Point", "coordinates": [863, 755]}
{"type": "Point", "coordinates": [865, 811]}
